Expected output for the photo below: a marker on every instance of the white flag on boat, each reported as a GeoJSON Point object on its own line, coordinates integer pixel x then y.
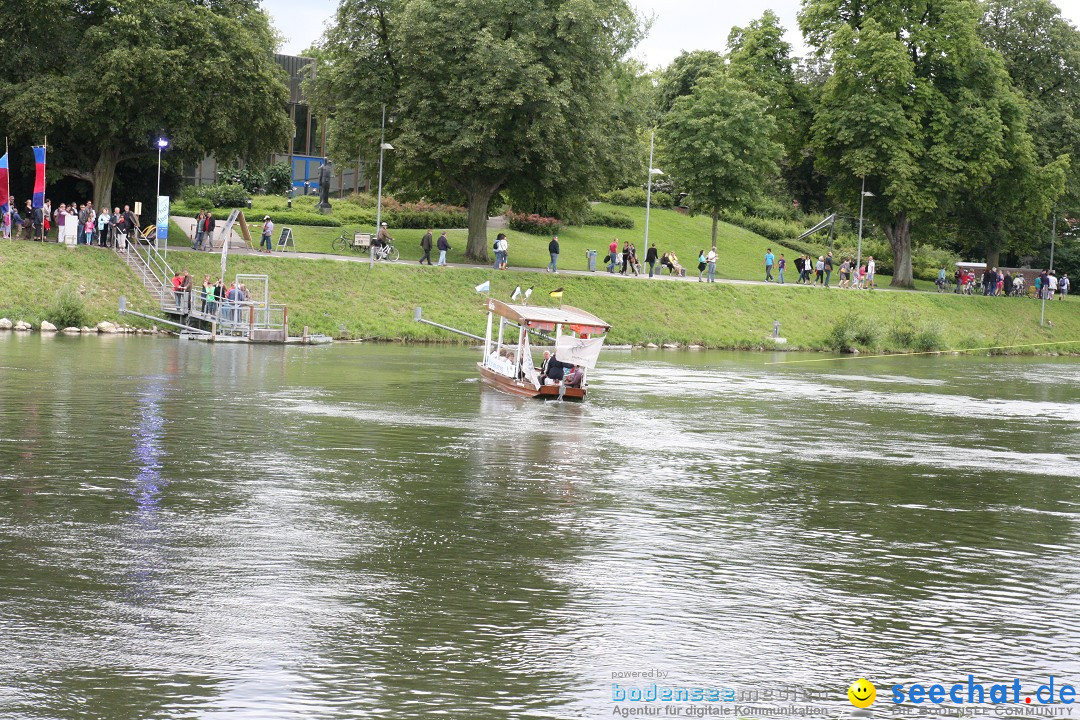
{"type": "Point", "coordinates": [578, 351]}
{"type": "Point", "coordinates": [517, 293]}
{"type": "Point", "coordinates": [484, 286]}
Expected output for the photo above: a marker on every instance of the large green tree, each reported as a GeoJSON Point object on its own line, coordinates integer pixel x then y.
{"type": "Point", "coordinates": [718, 142]}
{"type": "Point", "coordinates": [103, 80]}
{"type": "Point", "coordinates": [760, 58]}
{"type": "Point", "coordinates": [683, 73]}
{"type": "Point", "coordinates": [917, 105]}
{"type": "Point", "coordinates": [487, 94]}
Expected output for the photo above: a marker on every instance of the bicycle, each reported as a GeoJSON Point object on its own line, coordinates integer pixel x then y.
{"type": "Point", "coordinates": [356, 242]}
{"type": "Point", "coordinates": [943, 285]}
{"type": "Point", "coordinates": [387, 252]}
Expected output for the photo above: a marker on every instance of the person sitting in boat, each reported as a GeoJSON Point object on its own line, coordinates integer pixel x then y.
{"type": "Point", "coordinates": [501, 363]}
{"type": "Point", "coordinates": [552, 371]}
{"type": "Point", "coordinates": [574, 377]}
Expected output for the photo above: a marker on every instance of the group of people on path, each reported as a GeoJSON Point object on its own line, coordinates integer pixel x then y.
{"type": "Point", "coordinates": [853, 276]}
{"type": "Point", "coordinates": [75, 223]}
{"type": "Point", "coordinates": [999, 283]}
{"type": "Point", "coordinates": [442, 244]}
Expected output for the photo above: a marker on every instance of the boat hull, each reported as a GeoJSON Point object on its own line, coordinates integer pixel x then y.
{"type": "Point", "coordinates": [526, 389]}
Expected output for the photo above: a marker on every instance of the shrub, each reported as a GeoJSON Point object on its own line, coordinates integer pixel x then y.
{"type": "Point", "coordinates": [216, 195]}
{"type": "Point", "coordinates": [604, 218]}
{"type": "Point", "coordinates": [533, 224]}
{"type": "Point", "coordinates": [278, 179]}
{"type": "Point", "coordinates": [907, 331]}
{"type": "Point", "coordinates": [636, 197]}
{"type": "Point", "coordinates": [779, 231]}
{"type": "Point", "coordinates": [68, 310]}
{"type": "Point", "coordinates": [852, 331]}
{"type": "Point", "coordinates": [250, 178]}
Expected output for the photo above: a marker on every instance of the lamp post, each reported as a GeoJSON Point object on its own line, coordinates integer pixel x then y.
{"type": "Point", "coordinates": [383, 145]}
{"type": "Point", "coordinates": [162, 143]}
{"type": "Point", "coordinates": [648, 189]}
{"type": "Point", "coordinates": [863, 194]}
{"type": "Point", "coordinates": [1053, 234]}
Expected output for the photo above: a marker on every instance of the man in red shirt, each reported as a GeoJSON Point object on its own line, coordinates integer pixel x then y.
{"type": "Point", "coordinates": [613, 250]}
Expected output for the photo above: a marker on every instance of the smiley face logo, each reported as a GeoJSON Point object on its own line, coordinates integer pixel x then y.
{"type": "Point", "coordinates": [862, 693]}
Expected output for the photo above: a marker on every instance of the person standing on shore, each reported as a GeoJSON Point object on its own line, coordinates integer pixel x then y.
{"type": "Point", "coordinates": [770, 259]}
{"type": "Point", "coordinates": [443, 246]}
{"type": "Point", "coordinates": [710, 264]}
{"type": "Point", "coordinates": [650, 258]}
{"type": "Point", "coordinates": [196, 244]}
{"type": "Point", "coordinates": [425, 245]}
{"type": "Point", "coordinates": [553, 251]}
{"type": "Point", "coordinates": [267, 234]}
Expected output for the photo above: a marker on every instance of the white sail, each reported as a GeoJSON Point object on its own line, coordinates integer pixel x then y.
{"type": "Point", "coordinates": [578, 351]}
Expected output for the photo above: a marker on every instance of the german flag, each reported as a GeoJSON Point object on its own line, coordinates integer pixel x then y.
{"type": "Point", "coordinates": [556, 293]}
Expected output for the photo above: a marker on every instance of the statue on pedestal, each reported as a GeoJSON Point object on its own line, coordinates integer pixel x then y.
{"type": "Point", "coordinates": [326, 172]}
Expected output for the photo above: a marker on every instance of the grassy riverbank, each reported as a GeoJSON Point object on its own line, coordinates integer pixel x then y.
{"type": "Point", "coordinates": [33, 275]}
{"type": "Point", "coordinates": [378, 303]}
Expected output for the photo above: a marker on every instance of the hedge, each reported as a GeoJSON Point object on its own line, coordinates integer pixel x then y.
{"type": "Point", "coordinates": [532, 223]}
{"type": "Point", "coordinates": [603, 218]}
{"type": "Point", "coordinates": [636, 197]}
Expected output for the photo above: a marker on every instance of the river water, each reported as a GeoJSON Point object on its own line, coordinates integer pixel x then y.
{"type": "Point", "coordinates": [366, 531]}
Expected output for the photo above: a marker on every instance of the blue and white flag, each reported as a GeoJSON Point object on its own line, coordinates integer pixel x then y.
{"type": "Point", "coordinates": [484, 286]}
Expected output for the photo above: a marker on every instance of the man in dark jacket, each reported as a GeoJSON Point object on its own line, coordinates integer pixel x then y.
{"type": "Point", "coordinates": [443, 246]}
{"type": "Point", "coordinates": [650, 258]}
{"type": "Point", "coordinates": [553, 251]}
{"type": "Point", "coordinates": [208, 226]}
{"type": "Point", "coordinates": [425, 245]}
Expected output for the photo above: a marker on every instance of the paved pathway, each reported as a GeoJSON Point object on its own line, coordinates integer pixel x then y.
{"type": "Point", "coordinates": [358, 258]}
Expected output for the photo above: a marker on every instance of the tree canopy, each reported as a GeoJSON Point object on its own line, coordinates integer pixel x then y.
{"type": "Point", "coordinates": [718, 142]}
{"type": "Point", "coordinates": [918, 106]}
{"type": "Point", "coordinates": [487, 94]}
{"type": "Point", "coordinates": [200, 73]}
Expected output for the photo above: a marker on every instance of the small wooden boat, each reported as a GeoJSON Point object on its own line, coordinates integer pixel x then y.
{"type": "Point", "coordinates": [507, 363]}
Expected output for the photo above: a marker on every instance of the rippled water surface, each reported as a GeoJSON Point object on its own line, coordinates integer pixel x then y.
{"type": "Point", "coordinates": [245, 532]}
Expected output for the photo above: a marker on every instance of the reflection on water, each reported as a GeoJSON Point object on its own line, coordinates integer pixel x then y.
{"type": "Point", "coordinates": [191, 530]}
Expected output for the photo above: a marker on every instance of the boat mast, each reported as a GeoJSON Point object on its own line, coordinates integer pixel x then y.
{"type": "Point", "coordinates": [487, 339]}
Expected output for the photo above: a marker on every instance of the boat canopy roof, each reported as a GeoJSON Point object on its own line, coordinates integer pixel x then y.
{"type": "Point", "coordinates": [533, 316]}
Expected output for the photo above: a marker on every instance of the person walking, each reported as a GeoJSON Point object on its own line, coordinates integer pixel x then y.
{"type": "Point", "coordinates": [613, 250]}
{"type": "Point", "coordinates": [800, 264]}
{"type": "Point", "coordinates": [267, 234]}
{"type": "Point", "coordinates": [819, 270]}
{"type": "Point", "coordinates": [650, 258]}
{"type": "Point", "coordinates": [710, 264]}
{"type": "Point", "coordinates": [553, 251]}
{"type": "Point", "coordinates": [625, 256]}
{"type": "Point", "coordinates": [1063, 286]}
{"type": "Point", "coordinates": [196, 244]}
{"type": "Point", "coordinates": [781, 264]}
{"type": "Point", "coordinates": [443, 245]}
{"type": "Point", "coordinates": [1052, 278]}
{"type": "Point", "coordinates": [504, 251]}
{"type": "Point", "coordinates": [425, 245]}
{"type": "Point", "coordinates": [871, 268]}
{"type": "Point", "coordinates": [209, 225]}
{"type": "Point", "coordinates": [700, 264]}
{"type": "Point", "coordinates": [770, 259]}
{"type": "Point", "coordinates": [828, 268]}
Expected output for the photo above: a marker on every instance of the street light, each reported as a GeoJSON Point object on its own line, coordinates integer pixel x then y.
{"type": "Point", "coordinates": [162, 143]}
{"type": "Point", "coordinates": [383, 145]}
{"type": "Point", "coordinates": [858, 253]}
{"type": "Point", "coordinates": [648, 190]}
{"type": "Point", "coordinates": [1053, 234]}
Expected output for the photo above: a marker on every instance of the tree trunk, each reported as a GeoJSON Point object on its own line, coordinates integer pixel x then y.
{"type": "Point", "coordinates": [993, 256]}
{"type": "Point", "coordinates": [715, 222]}
{"type": "Point", "coordinates": [478, 198]}
{"type": "Point", "coordinates": [103, 177]}
{"type": "Point", "coordinates": [899, 235]}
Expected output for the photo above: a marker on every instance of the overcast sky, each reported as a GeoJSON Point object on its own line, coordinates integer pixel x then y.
{"type": "Point", "coordinates": [678, 24]}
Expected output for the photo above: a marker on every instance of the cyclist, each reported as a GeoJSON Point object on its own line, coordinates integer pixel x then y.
{"type": "Point", "coordinates": [941, 280]}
